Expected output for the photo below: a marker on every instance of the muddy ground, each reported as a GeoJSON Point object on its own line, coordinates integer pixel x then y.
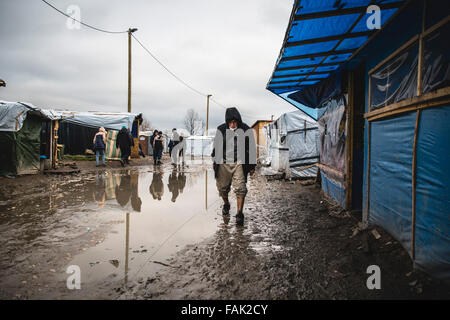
{"type": "Point", "coordinates": [295, 243]}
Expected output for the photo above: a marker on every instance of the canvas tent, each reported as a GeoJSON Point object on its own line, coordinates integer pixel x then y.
{"type": "Point", "coordinates": [382, 100]}
{"type": "Point", "coordinates": [77, 130]}
{"type": "Point", "coordinates": [26, 137]}
{"type": "Point", "coordinates": [292, 146]}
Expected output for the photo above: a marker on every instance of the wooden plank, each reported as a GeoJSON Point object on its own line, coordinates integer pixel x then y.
{"type": "Point", "coordinates": [328, 64]}
{"type": "Point", "coordinates": [439, 94]}
{"type": "Point", "coordinates": [369, 133]}
{"type": "Point", "coordinates": [395, 53]}
{"type": "Point", "coordinates": [430, 104]}
{"type": "Point", "coordinates": [331, 170]}
{"type": "Point", "coordinates": [436, 26]}
{"type": "Point", "coordinates": [330, 38]}
{"type": "Point", "coordinates": [345, 11]}
{"type": "Point", "coordinates": [413, 219]}
{"type": "Point", "coordinates": [319, 54]}
{"type": "Point", "coordinates": [349, 142]}
{"type": "Point", "coordinates": [420, 66]}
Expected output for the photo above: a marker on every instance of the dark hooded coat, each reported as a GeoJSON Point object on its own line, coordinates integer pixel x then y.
{"type": "Point", "coordinates": [233, 114]}
{"type": "Point", "coordinates": [124, 140]}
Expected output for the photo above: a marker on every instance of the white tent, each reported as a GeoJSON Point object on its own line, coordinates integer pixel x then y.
{"type": "Point", "coordinates": [292, 145]}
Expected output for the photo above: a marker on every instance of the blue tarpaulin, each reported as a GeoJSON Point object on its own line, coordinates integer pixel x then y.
{"type": "Point", "coordinates": [321, 36]}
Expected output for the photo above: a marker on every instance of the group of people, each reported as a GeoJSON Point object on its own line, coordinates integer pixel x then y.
{"type": "Point", "coordinates": [231, 166]}
{"type": "Point", "coordinates": [124, 142]}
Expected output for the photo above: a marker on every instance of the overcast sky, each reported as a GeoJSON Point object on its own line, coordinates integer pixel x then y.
{"type": "Point", "coordinates": [225, 48]}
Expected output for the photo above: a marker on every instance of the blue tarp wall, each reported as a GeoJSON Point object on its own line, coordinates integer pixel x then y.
{"type": "Point", "coordinates": [391, 153]}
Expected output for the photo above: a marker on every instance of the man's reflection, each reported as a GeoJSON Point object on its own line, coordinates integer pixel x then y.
{"type": "Point", "coordinates": [157, 186]}
{"type": "Point", "coordinates": [136, 202]}
{"type": "Point", "coordinates": [123, 191]}
{"type": "Point", "coordinates": [177, 181]}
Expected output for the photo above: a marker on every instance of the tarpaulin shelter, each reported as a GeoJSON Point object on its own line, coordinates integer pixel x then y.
{"type": "Point", "coordinates": [27, 138]}
{"type": "Point", "coordinates": [292, 144]}
{"type": "Point", "coordinates": [78, 129]}
{"type": "Point", "coordinates": [383, 108]}
{"type": "Point", "coordinates": [260, 138]}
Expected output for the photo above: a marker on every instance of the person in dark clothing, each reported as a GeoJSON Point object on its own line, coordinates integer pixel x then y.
{"type": "Point", "coordinates": [158, 145]}
{"type": "Point", "coordinates": [100, 145]}
{"type": "Point", "coordinates": [157, 186]}
{"type": "Point", "coordinates": [124, 142]}
{"type": "Point", "coordinates": [234, 157]}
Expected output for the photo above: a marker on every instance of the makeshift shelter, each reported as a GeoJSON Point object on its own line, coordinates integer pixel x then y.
{"type": "Point", "coordinates": [27, 138]}
{"type": "Point", "coordinates": [260, 138]}
{"type": "Point", "coordinates": [292, 145]}
{"type": "Point", "coordinates": [382, 100]}
{"type": "Point", "coordinates": [78, 129]}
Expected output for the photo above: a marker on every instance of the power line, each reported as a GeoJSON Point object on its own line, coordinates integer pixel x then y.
{"type": "Point", "coordinates": [84, 24]}
{"type": "Point", "coordinates": [150, 53]}
{"type": "Point", "coordinates": [167, 69]}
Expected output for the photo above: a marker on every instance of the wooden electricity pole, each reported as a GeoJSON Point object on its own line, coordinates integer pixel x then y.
{"type": "Point", "coordinates": [130, 31]}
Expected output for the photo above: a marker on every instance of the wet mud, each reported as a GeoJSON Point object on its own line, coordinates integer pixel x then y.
{"type": "Point", "coordinates": [146, 232]}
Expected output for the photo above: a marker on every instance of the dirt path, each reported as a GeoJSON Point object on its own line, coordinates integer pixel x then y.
{"type": "Point", "coordinates": [294, 245]}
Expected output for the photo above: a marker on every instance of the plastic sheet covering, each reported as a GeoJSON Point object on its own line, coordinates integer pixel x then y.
{"type": "Point", "coordinates": [432, 244]}
{"type": "Point", "coordinates": [390, 197]}
{"type": "Point", "coordinates": [436, 72]}
{"type": "Point", "coordinates": [111, 121]}
{"type": "Point", "coordinates": [292, 145]}
{"type": "Point", "coordinates": [314, 96]}
{"type": "Point", "coordinates": [12, 116]}
{"type": "Point", "coordinates": [332, 133]}
{"type": "Point", "coordinates": [395, 80]}
{"type": "Point", "coordinates": [21, 149]}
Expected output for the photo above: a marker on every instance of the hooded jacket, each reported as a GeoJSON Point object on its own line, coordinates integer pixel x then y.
{"type": "Point", "coordinates": [233, 114]}
{"type": "Point", "coordinates": [124, 140]}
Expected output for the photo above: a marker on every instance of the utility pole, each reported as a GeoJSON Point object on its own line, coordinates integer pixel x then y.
{"type": "Point", "coordinates": [207, 111]}
{"type": "Point", "coordinates": [130, 31]}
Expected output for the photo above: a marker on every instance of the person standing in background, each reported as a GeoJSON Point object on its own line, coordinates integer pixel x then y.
{"type": "Point", "coordinates": [100, 145]}
{"type": "Point", "coordinates": [124, 142]}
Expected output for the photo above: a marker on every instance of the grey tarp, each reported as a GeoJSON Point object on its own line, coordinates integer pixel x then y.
{"type": "Point", "coordinates": [292, 143]}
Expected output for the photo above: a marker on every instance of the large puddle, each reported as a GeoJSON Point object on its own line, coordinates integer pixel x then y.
{"type": "Point", "coordinates": [116, 226]}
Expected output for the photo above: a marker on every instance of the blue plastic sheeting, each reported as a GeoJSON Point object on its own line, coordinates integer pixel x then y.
{"type": "Point", "coordinates": [306, 42]}
{"type": "Point", "coordinates": [309, 111]}
{"type": "Point", "coordinates": [395, 80]}
{"type": "Point", "coordinates": [315, 96]}
{"type": "Point", "coordinates": [333, 189]}
{"type": "Point", "coordinates": [432, 243]}
{"type": "Point", "coordinates": [436, 73]}
{"type": "Point", "coordinates": [390, 197]}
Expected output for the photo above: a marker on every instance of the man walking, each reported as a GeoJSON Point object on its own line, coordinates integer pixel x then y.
{"type": "Point", "coordinates": [234, 156]}
{"type": "Point", "coordinates": [124, 142]}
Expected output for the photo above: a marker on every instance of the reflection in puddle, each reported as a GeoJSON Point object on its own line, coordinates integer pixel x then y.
{"type": "Point", "coordinates": [112, 224]}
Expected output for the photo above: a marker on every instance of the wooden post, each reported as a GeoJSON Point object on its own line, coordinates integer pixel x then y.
{"type": "Point", "coordinates": [414, 164]}
{"type": "Point", "coordinates": [349, 142]}
{"type": "Point", "coordinates": [129, 70]}
{"type": "Point", "coordinates": [368, 171]}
